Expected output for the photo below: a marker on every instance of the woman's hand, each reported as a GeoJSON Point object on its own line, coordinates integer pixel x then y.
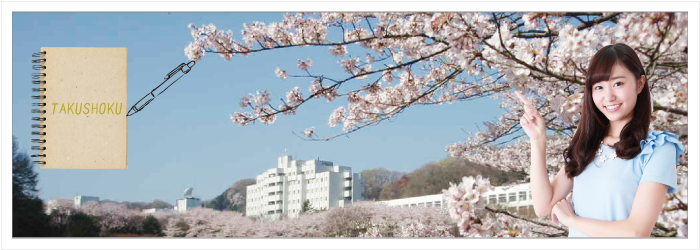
{"type": "Point", "coordinates": [563, 212]}
{"type": "Point", "coordinates": [532, 122]}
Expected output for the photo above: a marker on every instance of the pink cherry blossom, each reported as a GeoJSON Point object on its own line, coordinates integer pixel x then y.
{"type": "Point", "coordinates": [280, 73]}
{"type": "Point", "coordinates": [304, 65]}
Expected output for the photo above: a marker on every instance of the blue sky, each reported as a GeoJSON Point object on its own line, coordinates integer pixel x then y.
{"type": "Point", "coordinates": [185, 138]}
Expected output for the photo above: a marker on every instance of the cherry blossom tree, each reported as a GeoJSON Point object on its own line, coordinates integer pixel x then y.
{"type": "Point", "coordinates": [414, 59]}
{"type": "Point", "coordinates": [114, 217]}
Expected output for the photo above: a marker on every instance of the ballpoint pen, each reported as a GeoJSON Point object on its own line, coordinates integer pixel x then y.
{"type": "Point", "coordinates": [184, 68]}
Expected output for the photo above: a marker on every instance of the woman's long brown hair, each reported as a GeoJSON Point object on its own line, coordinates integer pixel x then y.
{"type": "Point", "coordinates": [594, 125]}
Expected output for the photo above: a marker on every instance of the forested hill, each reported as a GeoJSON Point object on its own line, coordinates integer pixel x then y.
{"type": "Point", "coordinates": [374, 180]}
{"type": "Point", "coordinates": [233, 198]}
{"type": "Point", "coordinates": [433, 177]}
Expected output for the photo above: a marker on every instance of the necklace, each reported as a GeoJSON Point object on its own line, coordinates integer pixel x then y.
{"type": "Point", "coordinates": [604, 158]}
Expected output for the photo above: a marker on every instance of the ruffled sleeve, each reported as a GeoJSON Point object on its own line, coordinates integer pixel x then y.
{"type": "Point", "coordinates": [659, 158]}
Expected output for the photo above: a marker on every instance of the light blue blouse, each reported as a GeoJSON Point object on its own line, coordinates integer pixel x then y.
{"type": "Point", "coordinates": [605, 191]}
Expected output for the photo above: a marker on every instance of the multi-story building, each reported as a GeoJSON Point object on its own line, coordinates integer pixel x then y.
{"type": "Point", "coordinates": [282, 191]}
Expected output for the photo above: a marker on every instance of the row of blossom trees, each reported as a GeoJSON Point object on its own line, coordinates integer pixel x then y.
{"type": "Point", "coordinates": [466, 214]}
{"type": "Point", "coordinates": [414, 59]}
{"type": "Point", "coordinates": [363, 219]}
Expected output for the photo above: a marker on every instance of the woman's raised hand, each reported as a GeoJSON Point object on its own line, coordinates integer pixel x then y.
{"type": "Point", "coordinates": [532, 122]}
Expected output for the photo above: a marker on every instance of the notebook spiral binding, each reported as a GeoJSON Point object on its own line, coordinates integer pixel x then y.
{"type": "Point", "coordinates": [38, 64]}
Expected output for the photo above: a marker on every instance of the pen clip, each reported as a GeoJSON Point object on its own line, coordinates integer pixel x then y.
{"type": "Point", "coordinates": [174, 71]}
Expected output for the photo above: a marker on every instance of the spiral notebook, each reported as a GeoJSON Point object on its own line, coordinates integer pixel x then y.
{"type": "Point", "coordinates": [82, 93]}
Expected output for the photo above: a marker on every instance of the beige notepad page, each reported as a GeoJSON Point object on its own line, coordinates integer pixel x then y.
{"type": "Point", "coordinates": [86, 107]}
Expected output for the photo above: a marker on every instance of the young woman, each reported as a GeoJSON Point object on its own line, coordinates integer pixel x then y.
{"type": "Point", "coordinates": [618, 168]}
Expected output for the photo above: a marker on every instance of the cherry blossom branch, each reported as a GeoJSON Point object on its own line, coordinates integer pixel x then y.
{"type": "Point", "coordinates": [658, 106]}
{"type": "Point", "coordinates": [505, 212]}
{"type": "Point", "coordinates": [584, 25]}
{"type": "Point", "coordinates": [331, 89]}
{"type": "Point", "coordinates": [367, 39]}
{"type": "Point", "coordinates": [397, 110]}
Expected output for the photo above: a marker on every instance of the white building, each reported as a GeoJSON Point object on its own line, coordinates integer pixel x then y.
{"type": "Point", "coordinates": [159, 210]}
{"type": "Point", "coordinates": [514, 198]}
{"type": "Point", "coordinates": [281, 191]}
{"type": "Point", "coordinates": [186, 204]}
{"type": "Point", "coordinates": [434, 200]}
{"type": "Point", "coordinates": [82, 199]}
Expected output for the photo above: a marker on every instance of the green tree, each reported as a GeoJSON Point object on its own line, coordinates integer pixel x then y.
{"type": "Point", "coordinates": [151, 226]}
{"type": "Point", "coordinates": [219, 203]}
{"type": "Point", "coordinates": [306, 207]}
{"type": "Point", "coordinates": [58, 220]}
{"type": "Point", "coordinates": [233, 199]}
{"type": "Point", "coordinates": [28, 216]}
{"type": "Point", "coordinates": [82, 225]}
{"type": "Point", "coordinates": [160, 204]}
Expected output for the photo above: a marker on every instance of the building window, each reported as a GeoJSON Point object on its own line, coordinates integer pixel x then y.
{"type": "Point", "coordinates": [530, 195]}
{"type": "Point", "coordinates": [492, 199]}
{"type": "Point", "coordinates": [523, 195]}
{"type": "Point", "coordinates": [501, 198]}
{"type": "Point", "coordinates": [437, 203]}
{"type": "Point", "coordinates": [511, 197]}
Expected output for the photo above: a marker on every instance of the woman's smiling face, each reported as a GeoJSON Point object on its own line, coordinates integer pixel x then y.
{"type": "Point", "coordinates": [617, 97]}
